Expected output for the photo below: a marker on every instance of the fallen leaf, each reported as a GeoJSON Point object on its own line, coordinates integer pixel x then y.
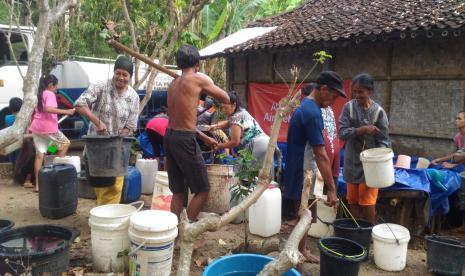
{"type": "Point", "coordinates": [198, 262]}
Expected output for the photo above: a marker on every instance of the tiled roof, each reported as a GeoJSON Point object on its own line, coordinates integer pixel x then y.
{"type": "Point", "coordinates": [332, 20]}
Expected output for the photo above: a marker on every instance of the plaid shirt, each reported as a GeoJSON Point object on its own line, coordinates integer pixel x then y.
{"type": "Point", "coordinates": [115, 111]}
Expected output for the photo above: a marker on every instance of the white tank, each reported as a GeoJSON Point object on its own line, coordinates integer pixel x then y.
{"type": "Point", "coordinates": [265, 214]}
{"type": "Point", "coordinates": [79, 74]}
{"type": "Point", "coordinates": [148, 169]}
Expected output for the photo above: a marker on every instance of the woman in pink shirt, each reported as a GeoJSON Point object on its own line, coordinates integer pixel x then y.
{"type": "Point", "coordinates": [44, 125]}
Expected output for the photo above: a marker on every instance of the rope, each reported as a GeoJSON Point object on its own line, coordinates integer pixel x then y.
{"type": "Point", "coordinates": [347, 209]}
{"type": "Point", "coordinates": [342, 255]}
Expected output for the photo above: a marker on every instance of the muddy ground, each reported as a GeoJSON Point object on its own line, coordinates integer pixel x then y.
{"type": "Point", "coordinates": [21, 205]}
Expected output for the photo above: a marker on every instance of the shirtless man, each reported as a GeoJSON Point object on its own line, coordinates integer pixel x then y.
{"type": "Point", "coordinates": [186, 166]}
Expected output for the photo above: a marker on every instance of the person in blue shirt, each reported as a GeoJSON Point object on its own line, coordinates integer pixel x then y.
{"type": "Point", "coordinates": [306, 147]}
{"type": "Point", "coordinates": [14, 105]}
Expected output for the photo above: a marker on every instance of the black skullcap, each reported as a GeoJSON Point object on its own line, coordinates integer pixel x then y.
{"type": "Point", "coordinates": [125, 63]}
{"type": "Point", "coordinates": [332, 80]}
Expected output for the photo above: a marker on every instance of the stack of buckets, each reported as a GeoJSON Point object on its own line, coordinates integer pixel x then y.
{"type": "Point", "coordinates": [124, 239]}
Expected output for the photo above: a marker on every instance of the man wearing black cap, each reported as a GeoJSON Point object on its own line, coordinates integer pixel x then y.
{"type": "Point", "coordinates": [112, 107]}
{"type": "Point", "coordinates": [306, 127]}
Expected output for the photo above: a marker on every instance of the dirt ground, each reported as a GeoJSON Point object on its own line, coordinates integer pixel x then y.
{"type": "Point", "coordinates": [21, 205]}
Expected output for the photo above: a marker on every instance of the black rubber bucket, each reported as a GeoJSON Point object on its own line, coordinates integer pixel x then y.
{"type": "Point", "coordinates": [85, 190]}
{"type": "Point", "coordinates": [40, 249]}
{"type": "Point", "coordinates": [340, 257]}
{"type": "Point", "coordinates": [445, 256]}
{"type": "Point", "coordinates": [108, 156]}
{"type": "Point", "coordinates": [6, 224]}
{"type": "Point", "coordinates": [346, 228]}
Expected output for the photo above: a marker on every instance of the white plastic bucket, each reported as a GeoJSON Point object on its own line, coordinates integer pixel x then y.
{"type": "Point", "coordinates": [326, 215]}
{"type": "Point", "coordinates": [148, 171]}
{"type": "Point", "coordinates": [152, 235]}
{"type": "Point", "coordinates": [162, 195]}
{"type": "Point", "coordinates": [378, 167]}
{"type": "Point", "coordinates": [403, 161]}
{"type": "Point", "coordinates": [220, 178]}
{"type": "Point", "coordinates": [423, 163]}
{"type": "Point", "coordinates": [72, 160]}
{"type": "Point", "coordinates": [109, 236]}
{"type": "Point", "coordinates": [390, 254]}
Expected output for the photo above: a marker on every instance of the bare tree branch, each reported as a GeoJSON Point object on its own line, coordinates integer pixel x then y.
{"type": "Point", "coordinates": [290, 256]}
{"type": "Point", "coordinates": [8, 38]}
{"type": "Point", "coordinates": [132, 31]}
{"type": "Point", "coordinates": [60, 9]}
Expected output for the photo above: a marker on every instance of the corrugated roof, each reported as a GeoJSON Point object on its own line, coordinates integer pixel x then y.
{"type": "Point", "coordinates": [332, 20]}
{"type": "Point", "coordinates": [233, 40]}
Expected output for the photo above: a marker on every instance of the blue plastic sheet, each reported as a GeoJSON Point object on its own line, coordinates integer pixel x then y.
{"type": "Point", "coordinates": [145, 145]}
{"type": "Point", "coordinates": [438, 189]}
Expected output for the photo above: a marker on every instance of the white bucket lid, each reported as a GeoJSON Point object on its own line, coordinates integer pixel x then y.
{"type": "Point", "coordinates": [153, 221]}
{"type": "Point", "coordinates": [112, 211]}
{"type": "Point", "coordinates": [389, 232]}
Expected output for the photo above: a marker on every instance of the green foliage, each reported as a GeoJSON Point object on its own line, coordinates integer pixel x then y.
{"type": "Point", "coordinates": [218, 25]}
{"type": "Point", "coordinates": [246, 170]}
{"type": "Point", "coordinates": [274, 7]}
{"type": "Point", "coordinates": [321, 56]}
{"type": "Point", "coordinates": [3, 14]}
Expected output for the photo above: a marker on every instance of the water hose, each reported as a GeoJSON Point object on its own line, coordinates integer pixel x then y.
{"type": "Point", "coordinates": [67, 97]}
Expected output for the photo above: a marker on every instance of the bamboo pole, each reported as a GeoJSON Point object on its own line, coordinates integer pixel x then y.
{"type": "Point", "coordinates": [129, 51]}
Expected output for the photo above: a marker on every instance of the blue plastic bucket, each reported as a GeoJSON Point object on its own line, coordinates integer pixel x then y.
{"type": "Point", "coordinates": [241, 264]}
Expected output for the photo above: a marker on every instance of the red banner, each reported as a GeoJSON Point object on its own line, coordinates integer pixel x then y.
{"type": "Point", "coordinates": [263, 102]}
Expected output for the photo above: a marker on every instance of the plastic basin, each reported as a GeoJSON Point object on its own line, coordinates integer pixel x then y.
{"type": "Point", "coordinates": [241, 264]}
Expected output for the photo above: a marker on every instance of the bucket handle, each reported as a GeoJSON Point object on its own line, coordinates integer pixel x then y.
{"type": "Point", "coordinates": [387, 224]}
{"type": "Point", "coordinates": [137, 210]}
{"type": "Point", "coordinates": [130, 254]}
{"type": "Point", "coordinates": [138, 202]}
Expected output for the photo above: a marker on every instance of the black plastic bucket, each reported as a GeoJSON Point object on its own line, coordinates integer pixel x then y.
{"type": "Point", "coordinates": [85, 190]}
{"type": "Point", "coordinates": [6, 224]}
{"type": "Point", "coordinates": [340, 257]}
{"type": "Point", "coordinates": [346, 228]}
{"type": "Point", "coordinates": [108, 156]}
{"type": "Point", "coordinates": [445, 256]}
{"type": "Point", "coordinates": [40, 249]}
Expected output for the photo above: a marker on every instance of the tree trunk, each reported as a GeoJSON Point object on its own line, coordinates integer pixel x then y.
{"type": "Point", "coordinates": [47, 17]}
{"type": "Point", "coordinates": [190, 231]}
{"type": "Point", "coordinates": [291, 256]}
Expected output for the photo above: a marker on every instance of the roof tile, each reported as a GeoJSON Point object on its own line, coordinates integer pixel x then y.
{"type": "Point", "coordinates": [325, 20]}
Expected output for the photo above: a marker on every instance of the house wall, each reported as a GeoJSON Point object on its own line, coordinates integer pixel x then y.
{"type": "Point", "coordinates": [420, 82]}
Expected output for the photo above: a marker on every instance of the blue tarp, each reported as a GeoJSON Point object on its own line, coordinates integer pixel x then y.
{"type": "Point", "coordinates": [418, 179]}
